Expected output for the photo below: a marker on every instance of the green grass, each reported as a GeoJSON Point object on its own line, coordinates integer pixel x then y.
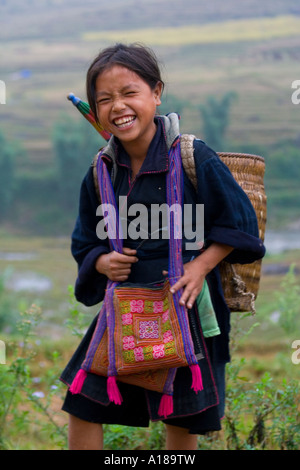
{"type": "Point", "coordinates": [51, 260]}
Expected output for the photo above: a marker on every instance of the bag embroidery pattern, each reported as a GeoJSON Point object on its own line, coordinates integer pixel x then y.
{"type": "Point", "coordinates": [148, 336]}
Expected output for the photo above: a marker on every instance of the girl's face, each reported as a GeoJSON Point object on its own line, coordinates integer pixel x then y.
{"type": "Point", "coordinates": [126, 105]}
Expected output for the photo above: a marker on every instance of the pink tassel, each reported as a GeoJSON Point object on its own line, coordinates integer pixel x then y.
{"type": "Point", "coordinates": [166, 406]}
{"type": "Point", "coordinates": [78, 381]}
{"type": "Point", "coordinates": [113, 391]}
{"type": "Point", "coordinates": [197, 384]}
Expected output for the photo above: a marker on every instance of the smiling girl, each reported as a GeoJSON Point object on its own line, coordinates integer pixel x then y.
{"type": "Point", "coordinates": [124, 88]}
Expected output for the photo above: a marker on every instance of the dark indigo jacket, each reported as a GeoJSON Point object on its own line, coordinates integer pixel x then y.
{"type": "Point", "coordinates": [229, 218]}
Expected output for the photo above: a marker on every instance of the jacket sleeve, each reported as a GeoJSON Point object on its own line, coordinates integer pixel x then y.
{"type": "Point", "coordinates": [86, 247]}
{"type": "Point", "coordinates": [229, 216]}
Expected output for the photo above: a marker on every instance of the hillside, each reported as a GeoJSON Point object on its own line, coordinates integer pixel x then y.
{"type": "Point", "coordinates": [52, 19]}
{"type": "Point", "coordinates": [206, 48]}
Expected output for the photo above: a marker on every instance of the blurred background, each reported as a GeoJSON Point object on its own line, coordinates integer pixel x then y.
{"type": "Point", "coordinates": [229, 68]}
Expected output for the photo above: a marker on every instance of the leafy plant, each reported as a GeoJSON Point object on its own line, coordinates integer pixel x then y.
{"type": "Point", "coordinates": [263, 414]}
{"type": "Point", "coordinates": [78, 321]}
{"type": "Point", "coordinates": [288, 301]}
{"type": "Point", "coordinates": [22, 407]}
{"type": "Point", "coordinates": [8, 312]}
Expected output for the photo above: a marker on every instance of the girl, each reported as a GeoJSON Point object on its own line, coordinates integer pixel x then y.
{"type": "Point", "coordinates": [124, 88]}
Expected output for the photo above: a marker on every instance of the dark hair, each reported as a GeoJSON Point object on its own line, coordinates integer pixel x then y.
{"type": "Point", "coordinates": [135, 57]}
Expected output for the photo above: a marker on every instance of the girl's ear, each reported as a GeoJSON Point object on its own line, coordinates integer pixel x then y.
{"type": "Point", "coordinates": [157, 93]}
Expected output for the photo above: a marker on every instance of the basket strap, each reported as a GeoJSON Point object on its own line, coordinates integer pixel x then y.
{"type": "Point", "coordinates": [187, 157]}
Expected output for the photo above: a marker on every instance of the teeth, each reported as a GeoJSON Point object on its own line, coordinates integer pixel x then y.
{"type": "Point", "coordinates": [123, 121]}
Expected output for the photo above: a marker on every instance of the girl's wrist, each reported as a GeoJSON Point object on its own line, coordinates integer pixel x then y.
{"type": "Point", "coordinates": [100, 264]}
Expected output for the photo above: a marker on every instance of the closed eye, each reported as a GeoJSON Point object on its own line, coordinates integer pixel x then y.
{"type": "Point", "coordinates": [129, 93]}
{"type": "Point", "coordinates": [102, 100]}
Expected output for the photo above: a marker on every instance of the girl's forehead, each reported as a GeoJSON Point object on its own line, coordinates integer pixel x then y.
{"type": "Point", "coordinates": [118, 79]}
{"type": "Point", "coordinates": [117, 74]}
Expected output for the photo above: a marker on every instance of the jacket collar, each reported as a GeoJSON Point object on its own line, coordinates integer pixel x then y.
{"type": "Point", "coordinates": [157, 159]}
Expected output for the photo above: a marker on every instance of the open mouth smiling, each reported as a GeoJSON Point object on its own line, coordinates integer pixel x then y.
{"type": "Point", "coordinates": [124, 121]}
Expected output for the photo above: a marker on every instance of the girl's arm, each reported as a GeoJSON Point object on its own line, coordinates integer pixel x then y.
{"type": "Point", "coordinates": [87, 247]}
{"type": "Point", "coordinates": [196, 270]}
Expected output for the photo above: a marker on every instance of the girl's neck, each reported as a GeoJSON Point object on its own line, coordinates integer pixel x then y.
{"type": "Point", "coordinates": [137, 157]}
{"type": "Point", "coordinates": [137, 151]}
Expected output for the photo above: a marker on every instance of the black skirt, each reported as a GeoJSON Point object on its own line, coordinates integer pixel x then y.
{"type": "Point", "coordinates": [200, 413]}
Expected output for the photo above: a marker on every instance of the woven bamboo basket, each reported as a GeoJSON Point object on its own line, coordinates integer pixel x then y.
{"type": "Point", "coordinates": [241, 281]}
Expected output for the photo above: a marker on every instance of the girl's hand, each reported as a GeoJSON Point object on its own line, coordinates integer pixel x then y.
{"type": "Point", "coordinates": [116, 266]}
{"type": "Point", "coordinates": [191, 281]}
{"type": "Point", "coordinates": [196, 270]}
